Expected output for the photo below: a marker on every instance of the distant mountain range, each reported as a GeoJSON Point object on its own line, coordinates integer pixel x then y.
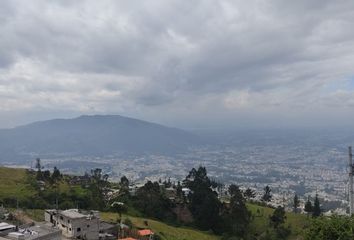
{"type": "Point", "coordinates": [92, 136]}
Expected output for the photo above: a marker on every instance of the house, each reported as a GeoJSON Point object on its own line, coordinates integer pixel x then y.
{"type": "Point", "coordinates": [146, 234]}
{"type": "Point", "coordinates": [74, 223]}
{"type": "Point", "coordinates": [129, 238]}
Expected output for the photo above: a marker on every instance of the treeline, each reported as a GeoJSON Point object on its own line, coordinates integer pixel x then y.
{"type": "Point", "coordinates": [231, 218]}
{"type": "Point", "coordinates": [56, 190]}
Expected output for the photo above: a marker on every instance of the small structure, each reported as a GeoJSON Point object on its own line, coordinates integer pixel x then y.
{"type": "Point", "coordinates": [146, 234]}
{"type": "Point", "coordinates": [186, 191]}
{"type": "Point", "coordinates": [6, 228]}
{"type": "Point", "coordinates": [74, 223]}
{"type": "Point", "coordinates": [36, 232]}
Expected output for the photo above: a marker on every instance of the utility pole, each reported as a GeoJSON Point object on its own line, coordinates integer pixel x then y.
{"type": "Point", "coordinates": [351, 206]}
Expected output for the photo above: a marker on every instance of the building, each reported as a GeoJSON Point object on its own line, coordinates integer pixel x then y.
{"type": "Point", "coordinates": [35, 232]}
{"type": "Point", "coordinates": [75, 224]}
{"type": "Point", "coordinates": [146, 234]}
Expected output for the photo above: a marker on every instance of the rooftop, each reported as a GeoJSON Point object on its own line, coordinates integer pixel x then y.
{"type": "Point", "coordinates": [145, 232]}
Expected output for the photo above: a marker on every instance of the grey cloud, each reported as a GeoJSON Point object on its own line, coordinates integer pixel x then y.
{"type": "Point", "coordinates": [178, 57]}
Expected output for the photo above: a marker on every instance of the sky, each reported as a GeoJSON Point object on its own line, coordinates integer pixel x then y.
{"type": "Point", "coordinates": [189, 64]}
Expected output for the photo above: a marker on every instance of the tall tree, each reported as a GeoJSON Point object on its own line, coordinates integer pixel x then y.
{"type": "Point", "coordinates": [267, 196]}
{"type": "Point", "coordinates": [203, 201]}
{"type": "Point", "coordinates": [249, 194]}
{"type": "Point", "coordinates": [99, 187]}
{"type": "Point", "coordinates": [316, 207]}
{"type": "Point", "coordinates": [237, 217]}
{"type": "Point", "coordinates": [308, 206]}
{"type": "Point", "coordinates": [39, 169]}
{"type": "Point", "coordinates": [296, 202]}
{"type": "Point", "coordinates": [56, 175]}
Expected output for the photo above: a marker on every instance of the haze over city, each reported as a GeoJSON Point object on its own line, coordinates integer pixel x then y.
{"type": "Point", "coordinates": [187, 64]}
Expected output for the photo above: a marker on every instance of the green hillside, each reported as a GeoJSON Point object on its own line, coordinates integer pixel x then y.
{"type": "Point", "coordinates": [14, 184]}
{"type": "Point", "coordinates": [260, 223]}
{"type": "Point", "coordinates": [165, 231]}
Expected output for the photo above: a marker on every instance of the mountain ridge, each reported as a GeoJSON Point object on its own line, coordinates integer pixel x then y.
{"type": "Point", "coordinates": [94, 135]}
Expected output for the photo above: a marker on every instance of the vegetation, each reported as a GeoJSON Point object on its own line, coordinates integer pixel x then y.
{"type": "Point", "coordinates": [324, 228]}
{"type": "Point", "coordinates": [14, 185]}
{"type": "Point", "coordinates": [232, 218]}
{"type": "Point", "coordinates": [163, 230]}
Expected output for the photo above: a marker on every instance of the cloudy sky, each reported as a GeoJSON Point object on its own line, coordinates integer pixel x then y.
{"type": "Point", "coordinates": [190, 64]}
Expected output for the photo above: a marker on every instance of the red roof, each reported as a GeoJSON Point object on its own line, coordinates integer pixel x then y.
{"type": "Point", "coordinates": [145, 232]}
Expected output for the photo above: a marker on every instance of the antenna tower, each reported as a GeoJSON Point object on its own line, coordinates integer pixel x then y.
{"type": "Point", "coordinates": [351, 192]}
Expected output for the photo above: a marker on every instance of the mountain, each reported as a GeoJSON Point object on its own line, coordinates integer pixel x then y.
{"type": "Point", "coordinates": [92, 136]}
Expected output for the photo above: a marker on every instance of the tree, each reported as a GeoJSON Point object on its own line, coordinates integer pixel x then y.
{"type": "Point", "coordinates": [56, 175]}
{"type": "Point", "coordinates": [150, 201]}
{"type": "Point", "coordinates": [124, 185]}
{"type": "Point", "coordinates": [278, 217]}
{"type": "Point", "coordinates": [334, 227]}
{"type": "Point", "coordinates": [267, 196]}
{"type": "Point", "coordinates": [119, 207]}
{"type": "Point", "coordinates": [237, 217]}
{"type": "Point", "coordinates": [308, 206]}
{"type": "Point", "coordinates": [316, 207]}
{"type": "Point", "coordinates": [38, 164]}
{"type": "Point", "coordinates": [46, 175]}
{"type": "Point", "coordinates": [249, 194]}
{"type": "Point", "coordinates": [99, 186]}
{"type": "Point", "coordinates": [296, 203]}
{"type": "Point", "coordinates": [203, 201]}
{"type": "Point", "coordinates": [277, 220]}
{"type": "Point", "coordinates": [39, 169]}
{"type": "Point", "coordinates": [124, 182]}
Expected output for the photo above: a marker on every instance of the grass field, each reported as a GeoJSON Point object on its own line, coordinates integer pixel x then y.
{"type": "Point", "coordinates": [165, 231]}
{"type": "Point", "coordinates": [13, 184]}
{"type": "Point", "coordinates": [260, 223]}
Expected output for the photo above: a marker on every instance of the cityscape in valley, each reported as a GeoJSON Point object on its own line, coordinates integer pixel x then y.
{"type": "Point", "coordinates": [303, 163]}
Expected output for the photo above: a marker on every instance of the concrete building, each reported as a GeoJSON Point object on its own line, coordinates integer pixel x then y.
{"type": "Point", "coordinates": [36, 232]}
{"type": "Point", "coordinates": [75, 224]}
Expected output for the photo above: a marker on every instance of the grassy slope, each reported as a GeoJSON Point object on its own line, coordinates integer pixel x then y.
{"type": "Point", "coordinates": [166, 232]}
{"type": "Point", "coordinates": [13, 184]}
{"type": "Point", "coordinates": [260, 223]}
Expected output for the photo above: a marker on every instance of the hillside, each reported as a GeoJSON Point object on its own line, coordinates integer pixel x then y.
{"type": "Point", "coordinates": [14, 184]}
{"type": "Point", "coordinates": [92, 136]}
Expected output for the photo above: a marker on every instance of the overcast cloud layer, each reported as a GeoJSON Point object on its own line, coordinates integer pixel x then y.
{"type": "Point", "coordinates": [182, 63]}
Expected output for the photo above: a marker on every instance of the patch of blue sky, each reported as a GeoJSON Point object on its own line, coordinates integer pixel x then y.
{"type": "Point", "coordinates": [341, 85]}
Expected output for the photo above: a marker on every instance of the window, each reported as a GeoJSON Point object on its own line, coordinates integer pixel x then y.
{"type": "Point", "coordinates": [61, 218]}
{"type": "Point", "coordinates": [88, 226]}
{"type": "Point", "coordinates": [69, 229]}
{"type": "Point", "coordinates": [78, 229]}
